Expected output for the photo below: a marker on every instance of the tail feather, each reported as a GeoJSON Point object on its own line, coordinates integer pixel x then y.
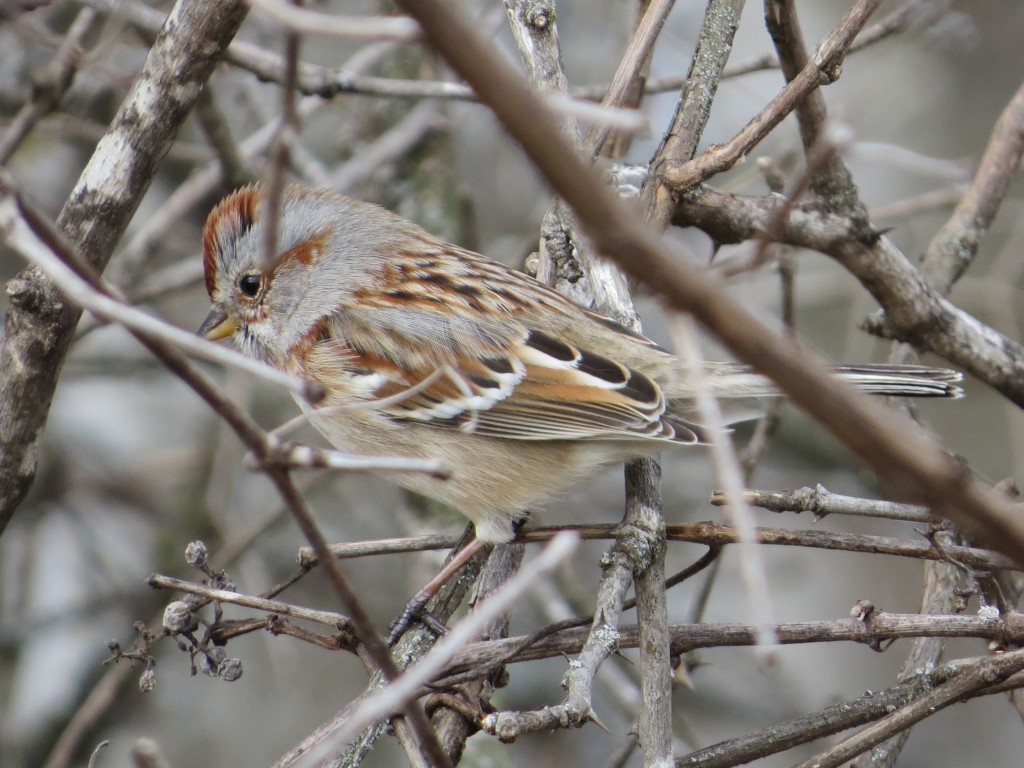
{"type": "Point", "coordinates": [737, 381]}
{"type": "Point", "coordinates": [742, 393]}
{"type": "Point", "coordinates": [903, 380]}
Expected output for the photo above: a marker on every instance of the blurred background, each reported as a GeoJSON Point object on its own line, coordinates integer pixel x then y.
{"type": "Point", "coordinates": [134, 466]}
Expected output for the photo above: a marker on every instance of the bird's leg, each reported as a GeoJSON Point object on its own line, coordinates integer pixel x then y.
{"type": "Point", "coordinates": [414, 608]}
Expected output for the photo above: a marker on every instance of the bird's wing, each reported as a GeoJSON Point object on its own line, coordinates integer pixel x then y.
{"type": "Point", "coordinates": [496, 379]}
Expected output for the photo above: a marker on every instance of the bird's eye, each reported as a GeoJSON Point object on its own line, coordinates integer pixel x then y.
{"type": "Point", "coordinates": [250, 285]}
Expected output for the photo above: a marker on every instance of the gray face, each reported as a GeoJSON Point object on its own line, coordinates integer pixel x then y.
{"type": "Point", "coordinates": [338, 258]}
{"type": "Point", "coordinates": [329, 247]}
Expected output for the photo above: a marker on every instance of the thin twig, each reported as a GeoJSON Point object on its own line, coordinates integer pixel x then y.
{"type": "Point", "coordinates": [633, 61]}
{"type": "Point", "coordinates": [714, 534]}
{"type": "Point", "coordinates": [954, 246]}
{"type": "Point", "coordinates": [728, 472]}
{"type": "Point", "coordinates": [872, 631]}
{"type": "Point", "coordinates": [51, 83]}
{"type": "Point", "coordinates": [306, 559]}
{"type": "Point", "coordinates": [299, 456]}
{"type": "Point", "coordinates": [820, 158]}
{"type": "Point", "coordinates": [822, 69]}
{"type": "Point", "coordinates": [934, 199]}
{"type": "Point", "coordinates": [40, 324]}
{"type": "Point", "coordinates": [826, 174]}
{"type": "Point", "coordinates": [285, 137]}
{"type": "Point", "coordinates": [315, 23]}
{"type": "Point", "coordinates": [394, 143]}
{"type": "Point", "coordinates": [401, 689]}
{"type": "Point", "coordinates": [22, 239]}
{"type": "Point", "coordinates": [327, 618]}
{"type": "Point", "coordinates": [831, 720]}
{"type": "Point", "coordinates": [215, 128]}
{"type": "Point", "coordinates": [823, 502]}
{"type": "Point", "coordinates": [970, 678]}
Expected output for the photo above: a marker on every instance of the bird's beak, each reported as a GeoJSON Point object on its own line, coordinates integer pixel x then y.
{"type": "Point", "coordinates": [217, 325]}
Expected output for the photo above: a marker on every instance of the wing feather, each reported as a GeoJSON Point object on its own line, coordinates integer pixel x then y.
{"type": "Point", "coordinates": [506, 382]}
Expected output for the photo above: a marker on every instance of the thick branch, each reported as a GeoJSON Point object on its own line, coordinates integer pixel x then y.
{"type": "Point", "coordinates": [821, 70]}
{"type": "Point", "coordinates": [890, 444]}
{"type": "Point", "coordinates": [956, 244]}
{"type": "Point", "coordinates": [915, 312]}
{"type": "Point", "coordinates": [40, 323]}
{"type": "Point", "coordinates": [873, 630]}
{"type": "Point", "coordinates": [823, 502]}
{"type": "Point", "coordinates": [849, 714]}
{"type": "Point", "coordinates": [969, 679]}
{"type": "Point", "coordinates": [831, 179]}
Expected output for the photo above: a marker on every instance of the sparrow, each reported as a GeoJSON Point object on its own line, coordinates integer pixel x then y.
{"type": "Point", "coordinates": [429, 350]}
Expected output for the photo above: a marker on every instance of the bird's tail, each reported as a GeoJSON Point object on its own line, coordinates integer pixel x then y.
{"type": "Point", "coordinates": [743, 392]}
{"type": "Point", "coordinates": [732, 380]}
{"type": "Point", "coordinates": [902, 380]}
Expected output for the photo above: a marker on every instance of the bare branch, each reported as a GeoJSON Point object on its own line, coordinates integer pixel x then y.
{"type": "Point", "coordinates": [872, 630]}
{"type": "Point", "coordinates": [969, 679]}
{"type": "Point", "coordinates": [309, 22]}
{"type": "Point", "coordinates": [627, 75]}
{"type": "Point", "coordinates": [715, 534]}
{"type": "Point", "coordinates": [20, 237]}
{"type": "Point", "coordinates": [954, 246]}
{"type": "Point", "coordinates": [822, 502]}
{"type": "Point", "coordinates": [849, 714]}
{"type": "Point", "coordinates": [918, 314]}
{"type": "Point", "coordinates": [827, 174]}
{"type": "Point", "coordinates": [679, 144]}
{"type": "Point", "coordinates": [821, 70]}
{"type": "Point", "coordinates": [39, 324]}
{"type": "Point", "coordinates": [327, 618]}
{"type": "Point", "coordinates": [51, 84]}
{"type": "Point", "coordinates": [729, 474]}
{"type": "Point", "coordinates": [402, 689]}
{"type": "Point", "coordinates": [306, 559]}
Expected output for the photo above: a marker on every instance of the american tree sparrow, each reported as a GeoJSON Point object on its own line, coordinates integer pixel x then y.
{"type": "Point", "coordinates": [426, 350]}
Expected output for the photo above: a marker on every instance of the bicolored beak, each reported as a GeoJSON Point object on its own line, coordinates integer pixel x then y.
{"type": "Point", "coordinates": [217, 325]}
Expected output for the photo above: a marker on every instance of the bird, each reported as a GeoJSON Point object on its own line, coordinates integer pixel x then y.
{"type": "Point", "coordinates": [429, 350]}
